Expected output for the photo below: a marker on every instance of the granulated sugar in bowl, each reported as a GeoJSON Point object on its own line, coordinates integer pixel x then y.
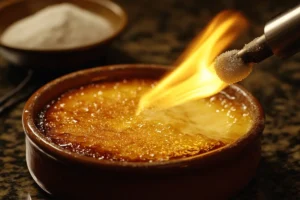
{"type": "Point", "coordinates": [59, 26]}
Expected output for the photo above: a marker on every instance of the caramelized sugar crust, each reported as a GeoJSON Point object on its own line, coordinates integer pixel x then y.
{"type": "Point", "coordinates": [99, 120]}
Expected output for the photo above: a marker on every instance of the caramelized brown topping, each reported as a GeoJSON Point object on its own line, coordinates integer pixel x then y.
{"type": "Point", "coordinates": [99, 120]}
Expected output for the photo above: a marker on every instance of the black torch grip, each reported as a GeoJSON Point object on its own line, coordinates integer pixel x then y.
{"type": "Point", "coordinates": [283, 33]}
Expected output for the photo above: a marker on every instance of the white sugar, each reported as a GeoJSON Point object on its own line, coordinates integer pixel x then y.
{"type": "Point", "coordinates": [230, 68]}
{"type": "Point", "coordinates": [58, 26]}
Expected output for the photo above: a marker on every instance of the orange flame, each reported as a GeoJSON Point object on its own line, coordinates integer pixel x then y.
{"type": "Point", "coordinates": [195, 76]}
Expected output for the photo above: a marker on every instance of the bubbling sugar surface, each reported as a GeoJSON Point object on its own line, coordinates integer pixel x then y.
{"type": "Point", "coordinates": [99, 120]}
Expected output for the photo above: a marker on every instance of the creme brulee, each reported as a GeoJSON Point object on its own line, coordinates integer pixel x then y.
{"type": "Point", "coordinates": [99, 120]}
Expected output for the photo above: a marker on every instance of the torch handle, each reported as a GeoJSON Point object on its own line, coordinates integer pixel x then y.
{"type": "Point", "coordinates": [281, 37]}
{"type": "Point", "coordinates": [283, 33]}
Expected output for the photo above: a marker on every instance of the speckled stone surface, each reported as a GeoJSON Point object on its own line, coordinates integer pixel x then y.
{"type": "Point", "coordinates": [158, 32]}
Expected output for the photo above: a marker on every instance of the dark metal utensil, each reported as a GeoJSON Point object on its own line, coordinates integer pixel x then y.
{"type": "Point", "coordinates": [7, 100]}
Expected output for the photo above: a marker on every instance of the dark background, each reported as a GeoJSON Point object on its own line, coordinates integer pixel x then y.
{"type": "Point", "coordinates": [158, 32]}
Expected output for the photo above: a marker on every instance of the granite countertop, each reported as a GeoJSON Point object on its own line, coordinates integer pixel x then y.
{"type": "Point", "coordinates": [158, 32]}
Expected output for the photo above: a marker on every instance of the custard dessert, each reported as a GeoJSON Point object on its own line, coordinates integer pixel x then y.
{"type": "Point", "coordinates": [99, 120]}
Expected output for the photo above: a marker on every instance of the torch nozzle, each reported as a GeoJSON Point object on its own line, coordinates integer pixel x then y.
{"type": "Point", "coordinates": [281, 38]}
{"type": "Point", "coordinates": [255, 51]}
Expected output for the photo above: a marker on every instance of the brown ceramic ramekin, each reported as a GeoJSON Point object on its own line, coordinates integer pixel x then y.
{"type": "Point", "coordinates": [218, 174]}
